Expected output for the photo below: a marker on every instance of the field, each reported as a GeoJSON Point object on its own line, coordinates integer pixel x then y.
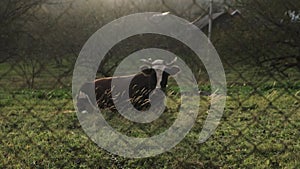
{"type": "Point", "coordinates": [259, 128]}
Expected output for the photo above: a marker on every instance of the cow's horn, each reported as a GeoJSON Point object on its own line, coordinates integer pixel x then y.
{"type": "Point", "coordinates": [172, 62]}
{"type": "Point", "coordinates": [149, 61]}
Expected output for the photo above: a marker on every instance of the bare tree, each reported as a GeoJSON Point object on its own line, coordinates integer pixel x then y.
{"type": "Point", "coordinates": [273, 29]}
{"type": "Point", "coordinates": [13, 14]}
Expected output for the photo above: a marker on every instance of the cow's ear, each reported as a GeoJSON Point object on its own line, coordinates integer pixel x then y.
{"type": "Point", "coordinates": [146, 69]}
{"type": "Point", "coordinates": [173, 70]}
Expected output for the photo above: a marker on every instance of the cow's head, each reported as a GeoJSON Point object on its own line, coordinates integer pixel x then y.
{"type": "Point", "coordinates": [162, 70]}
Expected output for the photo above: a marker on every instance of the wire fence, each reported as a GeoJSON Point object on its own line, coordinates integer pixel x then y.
{"type": "Point", "coordinates": [41, 41]}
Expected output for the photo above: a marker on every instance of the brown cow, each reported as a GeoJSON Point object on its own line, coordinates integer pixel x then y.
{"type": "Point", "coordinates": [154, 75]}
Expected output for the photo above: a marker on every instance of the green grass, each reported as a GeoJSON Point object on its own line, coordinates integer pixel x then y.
{"type": "Point", "coordinates": [259, 129]}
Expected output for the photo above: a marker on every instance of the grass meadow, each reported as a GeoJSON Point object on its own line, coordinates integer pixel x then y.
{"type": "Point", "coordinates": [260, 127]}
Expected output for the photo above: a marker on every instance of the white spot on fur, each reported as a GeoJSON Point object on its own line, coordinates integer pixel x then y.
{"type": "Point", "coordinates": [159, 69]}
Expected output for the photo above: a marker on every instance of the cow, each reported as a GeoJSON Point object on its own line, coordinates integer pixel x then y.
{"type": "Point", "coordinates": [153, 75]}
